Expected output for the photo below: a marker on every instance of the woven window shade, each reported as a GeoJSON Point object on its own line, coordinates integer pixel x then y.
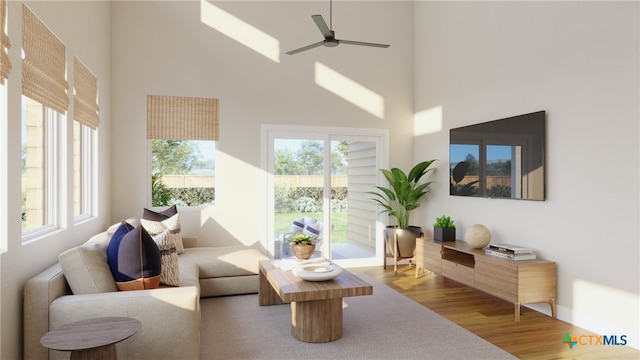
{"type": "Point", "coordinates": [5, 44]}
{"type": "Point", "coordinates": [44, 65]}
{"type": "Point", "coordinates": [85, 96]}
{"type": "Point", "coordinates": [182, 118]}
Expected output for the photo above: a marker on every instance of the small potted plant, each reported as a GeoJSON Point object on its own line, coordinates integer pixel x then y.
{"type": "Point", "coordinates": [303, 245]}
{"type": "Point", "coordinates": [444, 229]}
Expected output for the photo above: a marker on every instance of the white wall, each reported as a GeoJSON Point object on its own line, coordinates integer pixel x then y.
{"type": "Point", "coordinates": [165, 48]}
{"type": "Point", "coordinates": [481, 61]}
{"type": "Point", "coordinates": [92, 45]}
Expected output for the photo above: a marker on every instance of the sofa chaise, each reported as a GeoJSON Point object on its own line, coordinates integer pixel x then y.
{"type": "Point", "coordinates": [170, 316]}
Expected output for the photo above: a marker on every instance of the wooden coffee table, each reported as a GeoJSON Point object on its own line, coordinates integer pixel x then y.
{"type": "Point", "coordinates": [91, 338]}
{"type": "Point", "coordinates": [316, 306]}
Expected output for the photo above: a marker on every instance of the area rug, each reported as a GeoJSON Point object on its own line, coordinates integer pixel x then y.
{"type": "Point", "coordinates": [385, 325]}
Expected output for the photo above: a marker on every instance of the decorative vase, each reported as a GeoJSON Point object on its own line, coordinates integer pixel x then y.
{"type": "Point", "coordinates": [406, 239]}
{"type": "Point", "coordinates": [477, 236]}
{"type": "Point", "coordinates": [444, 234]}
{"type": "Point", "coordinates": [303, 251]}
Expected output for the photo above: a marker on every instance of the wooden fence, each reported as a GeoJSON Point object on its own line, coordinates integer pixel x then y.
{"type": "Point", "coordinates": [188, 181]}
{"type": "Point", "coordinates": [491, 180]}
{"type": "Point", "coordinates": [309, 180]}
{"type": "Point", "coordinates": [205, 181]}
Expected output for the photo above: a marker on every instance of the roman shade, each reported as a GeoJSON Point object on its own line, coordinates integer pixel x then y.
{"type": "Point", "coordinates": [44, 64]}
{"type": "Point", "coordinates": [85, 97]}
{"type": "Point", "coordinates": [182, 118]}
{"type": "Point", "coordinates": [5, 44]}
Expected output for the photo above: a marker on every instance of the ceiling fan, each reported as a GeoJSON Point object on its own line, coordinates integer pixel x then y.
{"type": "Point", "coordinates": [329, 35]}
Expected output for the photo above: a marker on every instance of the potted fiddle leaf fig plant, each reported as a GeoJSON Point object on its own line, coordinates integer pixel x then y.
{"type": "Point", "coordinates": [444, 229]}
{"type": "Point", "coordinates": [398, 201]}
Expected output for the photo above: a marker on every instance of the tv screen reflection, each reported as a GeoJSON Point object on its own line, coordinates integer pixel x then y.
{"type": "Point", "coordinates": [499, 159]}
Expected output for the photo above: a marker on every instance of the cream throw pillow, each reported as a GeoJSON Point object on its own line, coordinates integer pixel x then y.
{"type": "Point", "coordinates": [171, 219]}
{"type": "Point", "coordinates": [87, 270]}
{"type": "Point", "coordinates": [161, 234]}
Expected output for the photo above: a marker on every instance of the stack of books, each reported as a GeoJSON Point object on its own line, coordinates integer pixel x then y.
{"type": "Point", "coordinates": [511, 252]}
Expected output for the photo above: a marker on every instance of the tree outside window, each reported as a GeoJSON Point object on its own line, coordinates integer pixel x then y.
{"type": "Point", "coordinates": [182, 172]}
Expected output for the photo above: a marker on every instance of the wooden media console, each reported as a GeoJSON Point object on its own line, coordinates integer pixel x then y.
{"type": "Point", "coordinates": [517, 281]}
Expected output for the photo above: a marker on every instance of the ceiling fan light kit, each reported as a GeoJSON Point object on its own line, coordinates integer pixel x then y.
{"type": "Point", "coordinates": [329, 36]}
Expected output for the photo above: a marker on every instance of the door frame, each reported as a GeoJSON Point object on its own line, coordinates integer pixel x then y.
{"type": "Point", "coordinates": [270, 132]}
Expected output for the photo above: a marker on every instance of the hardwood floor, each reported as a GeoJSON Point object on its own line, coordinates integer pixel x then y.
{"type": "Point", "coordinates": [536, 336]}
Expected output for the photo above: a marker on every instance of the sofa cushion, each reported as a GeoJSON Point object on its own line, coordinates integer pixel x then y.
{"type": "Point", "coordinates": [86, 268]}
{"type": "Point", "coordinates": [169, 270]}
{"type": "Point", "coordinates": [314, 229]}
{"type": "Point", "coordinates": [189, 274]}
{"type": "Point", "coordinates": [101, 240]}
{"type": "Point", "coordinates": [224, 261]}
{"type": "Point", "coordinates": [134, 258]}
{"type": "Point", "coordinates": [298, 225]}
{"type": "Point", "coordinates": [171, 219]}
{"type": "Point", "coordinates": [131, 221]}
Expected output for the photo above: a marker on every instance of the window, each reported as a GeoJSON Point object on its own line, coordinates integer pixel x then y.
{"type": "Point", "coordinates": [182, 132]}
{"type": "Point", "coordinates": [39, 168]}
{"type": "Point", "coordinates": [83, 171]}
{"type": "Point", "coordinates": [44, 104]}
{"type": "Point", "coordinates": [182, 172]}
{"type": "Point", "coordinates": [85, 124]}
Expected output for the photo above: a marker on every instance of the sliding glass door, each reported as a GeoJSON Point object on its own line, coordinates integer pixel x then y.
{"type": "Point", "coordinates": [318, 182]}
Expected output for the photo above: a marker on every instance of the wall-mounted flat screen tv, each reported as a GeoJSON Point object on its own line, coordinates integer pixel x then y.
{"type": "Point", "coordinates": [499, 159]}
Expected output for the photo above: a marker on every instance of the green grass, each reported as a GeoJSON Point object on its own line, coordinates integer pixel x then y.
{"type": "Point", "coordinates": [339, 220]}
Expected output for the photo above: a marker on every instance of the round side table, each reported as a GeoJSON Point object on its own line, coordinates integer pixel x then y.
{"type": "Point", "coordinates": [92, 338]}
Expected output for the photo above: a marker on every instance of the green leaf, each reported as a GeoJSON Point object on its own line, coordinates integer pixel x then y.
{"type": "Point", "coordinates": [398, 175]}
{"type": "Point", "coordinates": [404, 192]}
{"type": "Point", "coordinates": [389, 176]}
{"type": "Point", "coordinates": [390, 195]}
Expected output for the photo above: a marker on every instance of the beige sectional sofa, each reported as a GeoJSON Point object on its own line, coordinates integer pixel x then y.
{"type": "Point", "coordinates": [170, 316]}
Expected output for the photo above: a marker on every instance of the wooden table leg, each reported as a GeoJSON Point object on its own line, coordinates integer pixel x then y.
{"type": "Point", "coordinates": [317, 320]}
{"type": "Point", "coordinates": [266, 294]}
{"type": "Point", "coordinates": [517, 312]}
{"type": "Point", "coordinates": [552, 302]}
{"type": "Point", "coordinates": [395, 253]}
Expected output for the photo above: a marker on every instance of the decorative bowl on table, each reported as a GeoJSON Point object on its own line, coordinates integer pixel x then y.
{"type": "Point", "coordinates": [316, 271]}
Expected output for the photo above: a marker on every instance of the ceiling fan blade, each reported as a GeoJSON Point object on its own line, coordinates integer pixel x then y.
{"type": "Point", "coordinates": [322, 25]}
{"type": "Point", "coordinates": [363, 43]}
{"type": "Point", "coordinates": [305, 48]}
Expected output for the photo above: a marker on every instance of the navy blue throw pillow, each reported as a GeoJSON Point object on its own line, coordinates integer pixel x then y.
{"type": "Point", "coordinates": [134, 258]}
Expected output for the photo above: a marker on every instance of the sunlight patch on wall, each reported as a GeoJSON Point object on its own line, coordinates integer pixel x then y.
{"type": "Point", "coordinates": [349, 90]}
{"type": "Point", "coordinates": [240, 31]}
{"type": "Point", "coordinates": [228, 217]}
{"type": "Point", "coordinates": [428, 121]}
{"type": "Point", "coordinates": [609, 310]}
